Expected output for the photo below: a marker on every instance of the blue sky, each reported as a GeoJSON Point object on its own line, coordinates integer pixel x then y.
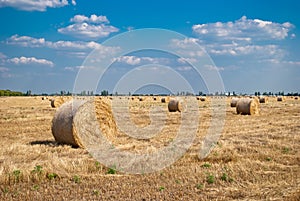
{"type": "Point", "coordinates": [254, 45]}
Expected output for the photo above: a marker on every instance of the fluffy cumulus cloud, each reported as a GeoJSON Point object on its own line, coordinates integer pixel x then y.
{"type": "Point", "coordinates": [93, 27]}
{"type": "Point", "coordinates": [244, 30]}
{"type": "Point", "coordinates": [251, 37]}
{"type": "Point", "coordinates": [27, 41]}
{"type": "Point", "coordinates": [30, 60]}
{"type": "Point", "coordinates": [35, 5]}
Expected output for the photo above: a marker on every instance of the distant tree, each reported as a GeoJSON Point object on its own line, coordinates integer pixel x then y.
{"type": "Point", "coordinates": [28, 93]}
{"type": "Point", "coordinates": [104, 93]}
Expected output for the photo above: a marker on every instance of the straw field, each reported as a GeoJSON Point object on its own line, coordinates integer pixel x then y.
{"type": "Point", "coordinates": [256, 158]}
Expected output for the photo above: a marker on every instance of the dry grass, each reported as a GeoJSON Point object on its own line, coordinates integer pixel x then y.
{"type": "Point", "coordinates": [257, 157]}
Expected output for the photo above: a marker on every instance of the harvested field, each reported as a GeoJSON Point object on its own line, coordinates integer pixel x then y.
{"type": "Point", "coordinates": [256, 158]}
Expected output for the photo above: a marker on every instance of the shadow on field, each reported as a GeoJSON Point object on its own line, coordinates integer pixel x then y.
{"type": "Point", "coordinates": [51, 143]}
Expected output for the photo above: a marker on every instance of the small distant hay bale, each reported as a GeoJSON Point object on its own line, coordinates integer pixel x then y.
{"type": "Point", "coordinates": [141, 99]}
{"type": "Point", "coordinates": [175, 105]}
{"type": "Point", "coordinates": [280, 99]}
{"type": "Point", "coordinates": [63, 128]}
{"type": "Point", "coordinates": [202, 98]}
{"type": "Point", "coordinates": [163, 100]}
{"type": "Point", "coordinates": [247, 106]}
{"type": "Point", "coordinates": [263, 99]}
{"type": "Point", "coordinates": [154, 98]}
{"type": "Point", "coordinates": [43, 98]}
{"type": "Point", "coordinates": [132, 98]}
{"type": "Point", "coordinates": [233, 102]}
{"type": "Point", "coordinates": [198, 98]}
{"type": "Point", "coordinates": [296, 98]}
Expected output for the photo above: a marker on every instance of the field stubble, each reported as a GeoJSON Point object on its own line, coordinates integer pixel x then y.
{"type": "Point", "coordinates": [257, 157]}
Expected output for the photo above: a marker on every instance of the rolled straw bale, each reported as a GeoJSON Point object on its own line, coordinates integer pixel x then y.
{"type": "Point", "coordinates": [280, 98]}
{"type": "Point", "coordinates": [163, 100]}
{"type": "Point", "coordinates": [296, 98]}
{"type": "Point", "coordinates": [247, 106]}
{"type": "Point", "coordinates": [63, 128]}
{"type": "Point", "coordinates": [58, 101]}
{"type": "Point", "coordinates": [263, 99]}
{"type": "Point", "coordinates": [198, 98]}
{"type": "Point", "coordinates": [141, 99]}
{"type": "Point", "coordinates": [175, 105]}
{"type": "Point", "coordinates": [203, 98]}
{"type": "Point", "coordinates": [154, 98]}
{"type": "Point", "coordinates": [233, 102]}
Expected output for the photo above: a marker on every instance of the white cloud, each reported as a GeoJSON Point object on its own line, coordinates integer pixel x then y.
{"type": "Point", "coordinates": [184, 68]}
{"type": "Point", "coordinates": [214, 68]}
{"type": "Point", "coordinates": [92, 19]}
{"type": "Point", "coordinates": [93, 27]}
{"type": "Point", "coordinates": [35, 5]}
{"type": "Point", "coordinates": [3, 69]}
{"type": "Point", "coordinates": [27, 41]}
{"type": "Point", "coordinates": [243, 28]}
{"type": "Point", "coordinates": [30, 60]}
{"type": "Point", "coordinates": [134, 60]}
{"type": "Point", "coordinates": [240, 50]}
{"type": "Point", "coordinates": [2, 56]}
{"type": "Point", "coordinates": [131, 60]}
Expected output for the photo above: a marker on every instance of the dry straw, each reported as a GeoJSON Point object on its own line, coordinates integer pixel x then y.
{"type": "Point", "coordinates": [263, 99]}
{"type": "Point", "coordinates": [72, 116]}
{"type": "Point", "coordinates": [202, 98]}
{"type": "Point", "coordinates": [247, 106]}
{"type": "Point", "coordinates": [175, 105]}
{"type": "Point", "coordinates": [280, 98]}
{"type": "Point", "coordinates": [63, 128]}
{"type": "Point", "coordinates": [233, 102]}
{"type": "Point", "coordinates": [58, 101]}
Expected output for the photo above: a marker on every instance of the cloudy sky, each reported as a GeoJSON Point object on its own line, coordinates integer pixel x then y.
{"type": "Point", "coordinates": [253, 45]}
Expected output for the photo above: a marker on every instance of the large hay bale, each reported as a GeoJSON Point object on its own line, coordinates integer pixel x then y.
{"type": "Point", "coordinates": [263, 99]}
{"type": "Point", "coordinates": [175, 105]}
{"type": "Point", "coordinates": [233, 102]}
{"type": "Point", "coordinates": [63, 128]}
{"type": "Point", "coordinates": [247, 106]}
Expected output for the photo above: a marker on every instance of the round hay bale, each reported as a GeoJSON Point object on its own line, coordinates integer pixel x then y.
{"type": "Point", "coordinates": [296, 98]}
{"type": "Point", "coordinates": [57, 102]}
{"type": "Point", "coordinates": [154, 98]}
{"type": "Point", "coordinates": [247, 106]}
{"type": "Point", "coordinates": [202, 98]}
{"type": "Point", "coordinates": [141, 99]}
{"type": "Point", "coordinates": [263, 99]}
{"type": "Point", "coordinates": [175, 105]}
{"type": "Point", "coordinates": [198, 98]}
{"type": "Point", "coordinates": [233, 102]}
{"type": "Point", "coordinates": [280, 98]}
{"type": "Point", "coordinates": [163, 100]}
{"type": "Point", "coordinates": [63, 128]}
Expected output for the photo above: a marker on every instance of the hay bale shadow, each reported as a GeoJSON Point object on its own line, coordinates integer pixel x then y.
{"type": "Point", "coordinates": [50, 143]}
